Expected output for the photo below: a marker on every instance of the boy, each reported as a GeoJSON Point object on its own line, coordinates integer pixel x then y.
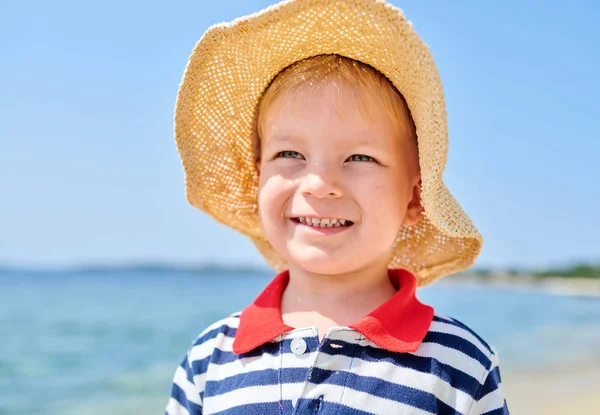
{"type": "Point", "coordinates": [318, 129]}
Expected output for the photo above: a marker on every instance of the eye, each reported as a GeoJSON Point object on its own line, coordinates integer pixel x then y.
{"type": "Point", "coordinates": [289, 154]}
{"type": "Point", "coordinates": [360, 157]}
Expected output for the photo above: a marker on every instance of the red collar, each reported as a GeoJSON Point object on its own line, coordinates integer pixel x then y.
{"type": "Point", "coordinates": [398, 325]}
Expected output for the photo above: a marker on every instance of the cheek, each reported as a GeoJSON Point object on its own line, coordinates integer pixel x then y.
{"type": "Point", "coordinates": [382, 200]}
{"type": "Point", "coordinates": [264, 198]}
{"type": "Point", "coordinates": [272, 196]}
{"type": "Point", "coordinates": [265, 210]}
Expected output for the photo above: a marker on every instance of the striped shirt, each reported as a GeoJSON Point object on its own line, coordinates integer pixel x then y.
{"type": "Point", "coordinates": [403, 358]}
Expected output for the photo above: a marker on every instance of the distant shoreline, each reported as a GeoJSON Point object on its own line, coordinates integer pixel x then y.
{"type": "Point", "coordinates": [148, 268]}
{"type": "Point", "coordinates": [558, 285]}
{"type": "Point", "coordinates": [588, 287]}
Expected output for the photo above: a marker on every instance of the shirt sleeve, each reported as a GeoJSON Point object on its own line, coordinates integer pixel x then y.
{"type": "Point", "coordinates": [185, 395]}
{"type": "Point", "coordinates": [491, 399]}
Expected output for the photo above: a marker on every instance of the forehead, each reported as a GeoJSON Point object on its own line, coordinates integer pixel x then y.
{"type": "Point", "coordinates": [360, 113]}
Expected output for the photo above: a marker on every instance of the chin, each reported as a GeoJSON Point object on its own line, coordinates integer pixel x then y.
{"type": "Point", "coordinates": [318, 262]}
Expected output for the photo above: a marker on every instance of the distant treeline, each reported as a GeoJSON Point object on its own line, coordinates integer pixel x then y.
{"type": "Point", "coordinates": [142, 268]}
{"type": "Point", "coordinates": [575, 271]}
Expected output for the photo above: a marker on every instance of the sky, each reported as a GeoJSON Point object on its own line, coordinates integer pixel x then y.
{"type": "Point", "coordinates": [89, 171]}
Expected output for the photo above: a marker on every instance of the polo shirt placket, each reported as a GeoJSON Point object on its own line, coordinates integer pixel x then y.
{"type": "Point", "coordinates": [326, 367]}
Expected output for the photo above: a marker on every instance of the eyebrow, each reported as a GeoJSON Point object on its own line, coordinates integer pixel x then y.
{"type": "Point", "coordinates": [284, 138]}
{"type": "Point", "coordinates": [279, 141]}
{"type": "Point", "coordinates": [363, 138]}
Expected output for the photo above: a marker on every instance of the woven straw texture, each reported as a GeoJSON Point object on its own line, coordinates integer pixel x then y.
{"type": "Point", "coordinates": [233, 63]}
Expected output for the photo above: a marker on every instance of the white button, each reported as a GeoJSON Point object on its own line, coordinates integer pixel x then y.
{"type": "Point", "coordinates": [298, 346]}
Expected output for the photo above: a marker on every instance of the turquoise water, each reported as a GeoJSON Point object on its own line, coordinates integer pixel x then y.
{"type": "Point", "coordinates": [109, 342]}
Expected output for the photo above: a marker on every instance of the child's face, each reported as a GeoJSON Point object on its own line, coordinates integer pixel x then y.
{"type": "Point", "coordinates": [320, 158]}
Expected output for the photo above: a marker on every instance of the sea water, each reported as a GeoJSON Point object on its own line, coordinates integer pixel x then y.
{"type": "Point", "coordinates": [109, 342]}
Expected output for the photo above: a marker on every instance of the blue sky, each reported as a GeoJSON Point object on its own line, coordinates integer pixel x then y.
{"type": "Point", "coordinates": [89, 171]}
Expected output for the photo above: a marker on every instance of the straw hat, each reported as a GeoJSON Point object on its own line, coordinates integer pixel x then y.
{"type": "Point", "coordinates": [233, 63]}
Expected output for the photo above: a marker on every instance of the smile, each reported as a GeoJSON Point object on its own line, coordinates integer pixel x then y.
{"type": "Point", "coordinates": [323, 222]}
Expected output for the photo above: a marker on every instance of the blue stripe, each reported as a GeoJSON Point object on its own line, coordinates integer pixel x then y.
{"type": "Point", "coordinates": [443, 409]}
{"type": "Point", "coordinates": [199, 366]}
{"type": "Point", "coordinates": [221, 357]}
{"type": "Point", "coordinates": [491, 382]}
{"type": "Point", "coordinates": [499, 411]}
{"type": "Point", "coordinates": [456, 378]}
{"type": "Point", "coordinates": [376, 387]}
{"type": "Point", "coordinates": [225, 329]}
{"type": "Point", "coordinates": [463, 326]}
{"type": "Point", "coordinates": [395, 392]}
{"type": "Point", "coordinates": [379, 387]}
{"type": "Point", "coordinates": [263, 408]}
{"type": "Point", "coordinates": [256, 378]}
{"type": "Point", "coordinates": [179, 395]}
{"type": "Point", "coordinates": [458, 343]}
{"type": "Point", "coordinates": [188, 372]}
{"type": "Point", "coordinates": [310, 406]}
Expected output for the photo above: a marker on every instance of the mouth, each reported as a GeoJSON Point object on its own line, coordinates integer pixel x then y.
{"type": "Point", "coordinates": [321, 223]}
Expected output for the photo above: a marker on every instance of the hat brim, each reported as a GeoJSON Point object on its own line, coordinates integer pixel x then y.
{"type": "Point", "coordinates": [233, 63]}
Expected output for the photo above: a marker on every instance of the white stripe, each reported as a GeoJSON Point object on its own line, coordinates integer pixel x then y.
{"type": "Point", "coordinates": [382, 370]}
{"type": "Point", "coordinates": [491, 401]}
{"type": "Point", "coordinates": [203, 350]}
{"type": "Point", "coordinates": [447, 355]}
{"type": "Point", "coordinates": [232, 322]}
{"type": "Point", "coordinates": [200, 382]}
{"type": "Point", "coordinates": [250, 395]}
{"type": "Point", "coordinates": [247, 365]}
{"type": "Point", "coordinates": [426, 382]}
{"type": "Point", "coordinates": [191, 393]}
{"type": "Point", "coordinates": [452, 357]}
{"type": "Point", "coordinates": [443, 317]}
{"type": "Point", "coordinates": [242, 364]}
{"type": "Point", "coordinates": [175, 408]}
{"type": "Point", "coordinates": [440, 327]}
{"type": "Point", "coordinates": [374, 404]}
{"type": "Point", "coordinates": [495, 360]}
{"type": "Point", "coordinates": [266, 361]}
{"type": "Point", "coordinates": [206, 349]}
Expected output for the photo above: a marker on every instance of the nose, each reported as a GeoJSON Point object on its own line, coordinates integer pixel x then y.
{"type": "Point", "coordinates": [321, 182]}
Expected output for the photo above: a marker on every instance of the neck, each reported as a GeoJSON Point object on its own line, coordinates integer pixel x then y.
{"type": "Point", "coordinates": [315, 299]}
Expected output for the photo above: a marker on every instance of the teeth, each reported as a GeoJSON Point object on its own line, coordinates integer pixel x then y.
{"type": "Point", "coordinates": [322, 223]}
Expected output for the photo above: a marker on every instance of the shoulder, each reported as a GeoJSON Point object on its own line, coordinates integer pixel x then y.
{"type": "Point", "coordinates": [226, 327]}
{"type": "Point", "coordinates": [189, 380]}
{"type": "Point", "coordinates": [449, 329]}
{"type": "Point", "coordinates": [216, 338]}
{"type": "Point", "coordinates": [455, 344]}
{"type": "Point", "coordinates": [465, 361]}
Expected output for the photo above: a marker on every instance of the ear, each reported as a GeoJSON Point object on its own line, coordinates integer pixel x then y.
{"type": "Point", "coordinates": [414, 210]}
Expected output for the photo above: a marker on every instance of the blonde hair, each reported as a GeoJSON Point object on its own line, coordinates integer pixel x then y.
{"type": "Point", "coordinates": [319, 69]}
